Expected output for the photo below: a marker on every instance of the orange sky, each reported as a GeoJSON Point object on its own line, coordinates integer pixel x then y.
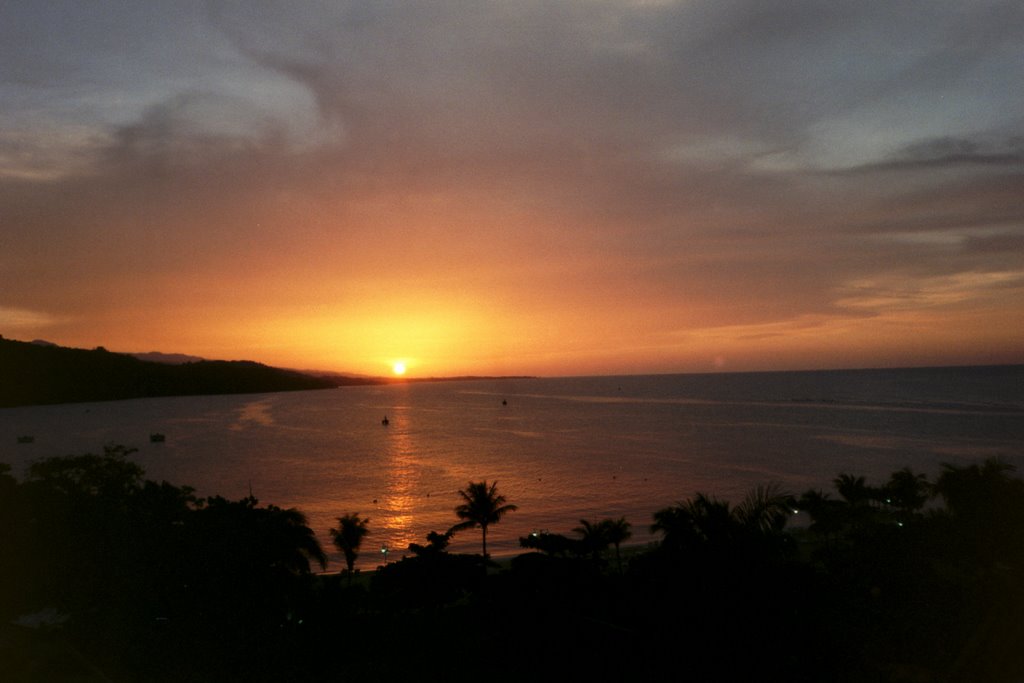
{"type": "Point", "coordinates": [565, 188]}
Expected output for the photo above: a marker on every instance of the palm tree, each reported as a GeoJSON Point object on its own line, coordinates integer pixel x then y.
{"type": "Point", "coordinates": [765, 509]}
{"type": "Point", "coordinates": [285, 533]}
{"type": "Point", "coordinates": [595, 537]}
{"type": "Point", "coordinates": [704, 522]}
{"type": "Point", "coordinates": [827, 515]}
{"type": "Point", "coordinates": [854, 490]}
{"type": "Point", "coordinates": [617, 531]}
{"type": "Point", "coordinates": [906, 491]}
{"type": "Point", "coordinates": [977, 490]}
{"type": "Point", "coordinates": [349, 536]}
{"type": "Point", "coordinates": [482, 506]}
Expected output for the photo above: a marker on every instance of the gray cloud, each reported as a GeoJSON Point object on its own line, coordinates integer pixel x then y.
{"type": "Point", "coordinates": [951, 151]}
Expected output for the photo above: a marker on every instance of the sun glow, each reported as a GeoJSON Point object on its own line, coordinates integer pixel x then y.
{"type": "Point", "coordinates": [398, 367]}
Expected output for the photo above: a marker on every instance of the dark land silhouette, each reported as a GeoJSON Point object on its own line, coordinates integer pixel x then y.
{"type": "Point", "coordinates": [107, 576]}
{"type": "Point", "coordinates": [37, 374]}
{"type": "Point", "coordinates": [42, 373]}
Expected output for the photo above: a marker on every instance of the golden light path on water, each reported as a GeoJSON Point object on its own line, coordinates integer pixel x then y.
{"type": "Point", "coordinates": [402, 480]}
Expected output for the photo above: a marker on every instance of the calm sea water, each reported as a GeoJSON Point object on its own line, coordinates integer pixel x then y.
{"type": "Point", "coordinates": [561, 449]}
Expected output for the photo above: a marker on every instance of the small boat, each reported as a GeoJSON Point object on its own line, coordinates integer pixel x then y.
{"type": "Point", "coordinates": [385, 421]}
{"type": "Point", "coordinates": [157, 437]}
{"type": "Point", "coordinates": [26, 439]}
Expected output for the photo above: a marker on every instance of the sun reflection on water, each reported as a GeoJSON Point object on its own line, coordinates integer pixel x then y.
{"type": "Point", "coordinates": [397, 521]}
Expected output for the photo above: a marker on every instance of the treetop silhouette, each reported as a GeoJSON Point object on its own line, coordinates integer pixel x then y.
{"type": "Point", "coordinates": [482, 506]}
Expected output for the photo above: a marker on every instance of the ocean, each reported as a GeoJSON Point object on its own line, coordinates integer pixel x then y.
{"type": "Point", "coordinates": [562, 449]}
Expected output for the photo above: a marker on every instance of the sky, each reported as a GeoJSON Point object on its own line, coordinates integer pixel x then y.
{"type": "Point", "coordinates": [548, 188]}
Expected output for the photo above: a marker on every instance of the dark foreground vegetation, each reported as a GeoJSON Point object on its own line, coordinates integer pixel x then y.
{"type": "Point", "coordinates": [35, 374]}
{"type": "Point", "coordinates": [109, 577]}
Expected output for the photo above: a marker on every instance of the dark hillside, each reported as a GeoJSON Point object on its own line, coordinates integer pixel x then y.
{"type": "Point", "coordinates": [33, 374]}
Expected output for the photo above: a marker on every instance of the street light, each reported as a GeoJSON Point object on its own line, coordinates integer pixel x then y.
{"type": "Point", "coordinates": [384, 552]}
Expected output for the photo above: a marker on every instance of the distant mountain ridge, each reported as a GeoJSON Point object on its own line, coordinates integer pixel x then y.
{"type": "Point", "coordinates": [167, 358]}
{"type": "Point", "coordinates": [37, 373]}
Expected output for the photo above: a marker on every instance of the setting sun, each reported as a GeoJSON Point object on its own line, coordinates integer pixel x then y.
{"type": "Point", "coordinates": [398, 368]}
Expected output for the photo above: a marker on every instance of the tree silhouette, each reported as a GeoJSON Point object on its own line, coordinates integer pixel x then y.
{"type": "Point", "coordinates": [706, 523]}
{"type": "Point", "coordinates": [595, 537]}
{"type": "Point", "coordinates": [482, 506]}
{"type": "Point", "coordinates": [977, 490]}
{"type": "Point", "coordinates": [436, 544]}
{"type": "Point", "coordinates": [552, 544]}
{"type": "Point", "coordinates": [699, 522]}
{"type": "Point", "coordinates": [110, 476]}
{"type": "Point", "coordinates": [618, 531]}
{"type": "Point", "coordinates": [293, 543]}
{"type": "Point", "coordinates": [854, 490]}
{"type": "Point", "coordinates": [245, 566]}
{"type": "Point", "coordinates": [827, 515]}
{"type": "Point", "coordinates": [986, 506]}
{"type": "Point", "coordinates": [765, 509]}
{"type": "Point", "coordinates": [349, 536]}
{"type": "Point", "coordinates": [905, 491]}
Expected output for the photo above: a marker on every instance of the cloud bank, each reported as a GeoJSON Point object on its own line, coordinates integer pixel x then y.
{"type": "Point", "coordinates": [531, 187]}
